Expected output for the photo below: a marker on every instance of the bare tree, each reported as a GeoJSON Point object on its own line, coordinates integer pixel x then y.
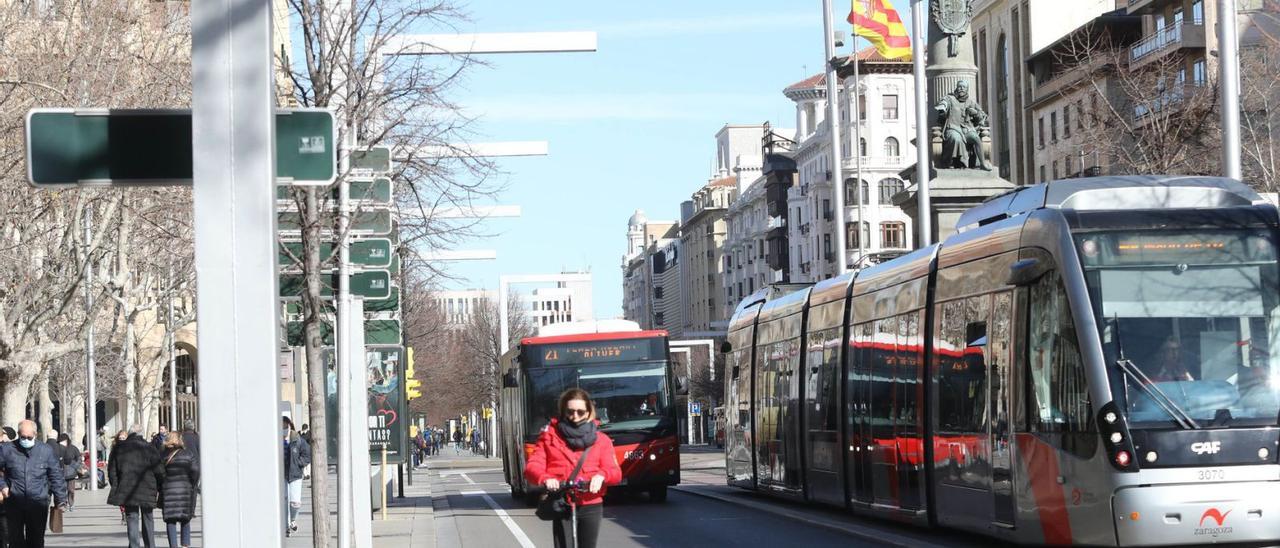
{"type": "Point", "coordinates": [351, 60]}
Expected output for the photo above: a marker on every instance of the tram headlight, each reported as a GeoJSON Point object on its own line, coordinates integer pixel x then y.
{"type": "Point", "coordinates": [1116, 437]}
{"type": "Point", "coordinates": [653, 456]}
{"type": "Point", "coordinates": [1122, 458]}
{"type": "Point", "coordinates": [1152, 456]}
{"type": "Point", "coordinates": [1110, 417]}
{"type": "Point", "coordinates": [1263, 453]}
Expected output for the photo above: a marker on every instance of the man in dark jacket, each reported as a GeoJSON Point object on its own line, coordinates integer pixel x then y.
{"type": "Point", "coordinates": [6, 437]}
{"type": "Point", "coordinates": [72, 462]}
{"type": "Point", "coordinates": [135, 473]}
{"type": "Point", "coordinates": [190, 439]}
{"type": "Point", "coordinates": [31, 473]}
{"type": "Point", "coordinates": [157, 440]}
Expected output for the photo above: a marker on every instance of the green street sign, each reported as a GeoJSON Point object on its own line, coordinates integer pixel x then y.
{"type": "Point", "coordinates": [389, 304]}
{"type": "Point", "coordinates": [371, 160]}
{"type": "Point", "coordinates": [375, 332]}
{"type": "Point", "coordinates": [371, 253]}
{"type": "Point", "coordinates": [153, 147]}
{"type": "Point", "coordinates": [369, 222]}
{"type": "Point", "coordinates": [372, 285]}
{"type": "Point", "coordinates": [370, 190]}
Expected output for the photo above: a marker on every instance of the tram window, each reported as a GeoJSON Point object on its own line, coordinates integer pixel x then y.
{"type": "Point", "coordinates": [1059, 389]}
{"type": "Point", "coordinates": [962, 371]}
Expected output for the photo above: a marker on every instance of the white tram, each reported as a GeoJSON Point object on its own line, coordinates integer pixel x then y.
{"type": "Point", "coordinates": [1092, 361]}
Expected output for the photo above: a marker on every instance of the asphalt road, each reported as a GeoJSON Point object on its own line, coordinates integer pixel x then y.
{"type": "Point", "coordinates": [472, 519]}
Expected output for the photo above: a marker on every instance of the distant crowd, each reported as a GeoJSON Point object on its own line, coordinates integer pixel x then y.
{"type": "Point", "coordinates": [432, 440]}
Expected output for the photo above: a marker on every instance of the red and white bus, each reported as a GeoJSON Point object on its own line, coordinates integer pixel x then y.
{"type": "Point", "coordinates": [628, 373]}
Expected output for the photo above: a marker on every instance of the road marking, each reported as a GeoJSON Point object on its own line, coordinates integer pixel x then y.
{"type": "Point", "coordinates": [521, 538]}
{"type": "Point", "coordinates": [467, 471]}
{"type": "Point", "coordinates": [468, 478]}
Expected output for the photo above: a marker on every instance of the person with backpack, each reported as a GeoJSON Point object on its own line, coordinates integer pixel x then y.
{"type": "Point", "coordinates": [571, 448]}
{"type": "Point", "coordinates": [297, 455]}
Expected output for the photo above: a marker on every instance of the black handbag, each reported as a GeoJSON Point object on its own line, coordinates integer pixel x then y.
{"type": "Point", "coordinates": [551, 505]}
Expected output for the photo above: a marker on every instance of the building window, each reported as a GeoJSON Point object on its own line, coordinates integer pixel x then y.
{"type": "Point", "coordinates": [1040, 132]}
{"type": "Point", "coordinates": [658, 319]}
{"type": "Point", "coordinates": [890, 107]}
{"type": "Point", "coordinates": [1197, 12]}
{"type": "Point", "coordinates": [1055, 170]}
{"type": "Point", "coordinates": [1080, 114]}
{"type": "Point", "coordinates": [888, 188]}
{"type": "Point", "coordinates": [1066, 163]}
{"type": "Point", "coordinates": [862, 106]}
{"type": "Point", "coordinates": [1093, 109]}
{"type": "Point", "coordinates": [891, 147]}
{"type": "Point", "coordinates": [1198, 73]}
{"type": "Point", "coordinates": [826, 244]}
{"type": "Point", "coordinates": [893, 235]}
{"type": "Point", "coordinates": [826, 209]}
{"type": "Point", "coordinates": [862, 147]}
{"type": "Point", "coordinates": [1042, 177]}
{"type": "Point", "coordinates": [1066, 121]}
{"type": "Point", "coordinates": [1002, 106]}
{"type": "Point", "coordinates": [1053, 126]}
{"type": "Point", "coordinates": [760, 244]}
{"type": "Point", "coordinates": [1178, 16]}
{"type": "Point", "coordinates": [851, 235]}
{"type": "Point", "coordinates": [657, 292]}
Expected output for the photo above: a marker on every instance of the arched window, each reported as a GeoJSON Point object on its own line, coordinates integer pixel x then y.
{"type": "Point", "coordinates": [891, 147]}
{"type": "Point", "coordinates": [850, 199]}
{"type": "Point", "coordinates": [888, 187]}
{"type": "Point", "coordinates": [1000, 125]}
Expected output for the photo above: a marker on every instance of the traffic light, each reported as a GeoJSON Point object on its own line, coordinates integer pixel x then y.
{"type": "Point", "coordinates": [411, 383]}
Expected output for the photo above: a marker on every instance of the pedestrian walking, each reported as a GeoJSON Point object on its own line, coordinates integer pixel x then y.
{"type": "Point", "coordinates": [297, 455]}
{"type": "Point", "coordinates": [191, 438]}
{"type": "Point", "coordinates": [572, 448]}
{"type": "Point", "coordinates": [178, 495]}
{"type": "Point", "coordinates": [457, 441]}
{"type": "Point", "coordinates": [7, 436]}
{"type": "Point", "coordinates": [72, 466]}
{"type": "Point", "coordinates": [135, 473]}
{"type": "Point", "coordinates": [30, 475]}
{"type": "Point", "coordinates": [157, 440]}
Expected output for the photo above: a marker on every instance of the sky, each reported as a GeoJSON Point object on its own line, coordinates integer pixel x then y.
{"type": "Point", "coordinates": [631, 126]}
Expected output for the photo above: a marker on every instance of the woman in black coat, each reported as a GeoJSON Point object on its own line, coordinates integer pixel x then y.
{"type": "Point", "coordinates": [178, 496]}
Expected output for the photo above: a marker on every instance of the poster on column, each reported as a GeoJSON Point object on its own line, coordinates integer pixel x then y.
{"type": "Point", "coordinates": [384, 373]}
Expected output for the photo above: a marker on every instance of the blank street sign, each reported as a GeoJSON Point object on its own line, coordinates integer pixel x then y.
{"type": "Point", "coordinates": [101, 147]}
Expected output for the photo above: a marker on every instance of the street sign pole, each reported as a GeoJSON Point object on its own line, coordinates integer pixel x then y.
{"type": "Point", "coordinates": [91, 402]}
{"type": "Point", "coordinates": [233, 98]}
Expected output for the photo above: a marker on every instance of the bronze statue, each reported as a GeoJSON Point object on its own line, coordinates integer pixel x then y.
{"type": "Point", "coordinates": [963, 125]}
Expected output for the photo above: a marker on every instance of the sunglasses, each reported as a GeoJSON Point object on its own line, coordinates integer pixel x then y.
{"type": "Point", "coordinates": [576, 412]}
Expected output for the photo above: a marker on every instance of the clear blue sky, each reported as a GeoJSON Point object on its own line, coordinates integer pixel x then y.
{"type": "Point", "coordinates": [630, 126]}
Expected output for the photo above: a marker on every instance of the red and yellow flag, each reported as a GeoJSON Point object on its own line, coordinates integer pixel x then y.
{"type": "Point", "coordinates": [879, 23]}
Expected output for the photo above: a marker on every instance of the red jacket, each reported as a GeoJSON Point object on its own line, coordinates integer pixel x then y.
{"type": "Point", "coordinates": [553, 458]}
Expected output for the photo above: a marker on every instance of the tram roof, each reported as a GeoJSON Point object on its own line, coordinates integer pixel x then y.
{"type": "Point", "coordinates": [785, 305]}
{"type": "Point", "coordinates": [908, 267]}
{"type": "Point", "coordinates": [1113, 193]}
{"type": "Point", "coordinates": [832, 289]}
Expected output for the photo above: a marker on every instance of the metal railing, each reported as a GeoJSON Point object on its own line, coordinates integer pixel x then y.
{"type": "Point", "coordinates": [1160, 39]}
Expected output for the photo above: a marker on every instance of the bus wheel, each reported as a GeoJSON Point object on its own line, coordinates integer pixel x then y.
{"type": "Point", "coordinates": [658, 494]}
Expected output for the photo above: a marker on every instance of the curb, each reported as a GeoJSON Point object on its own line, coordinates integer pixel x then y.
{"type": "Point", "coordinates": [880, 536]}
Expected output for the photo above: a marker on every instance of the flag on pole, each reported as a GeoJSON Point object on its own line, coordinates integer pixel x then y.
{"type": "Point", "coordinates": [879, 23]}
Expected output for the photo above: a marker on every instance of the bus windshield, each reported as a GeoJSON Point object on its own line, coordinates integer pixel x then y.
{"type": "Point", "coordinates": [1189, 324]}
{"type": "Point", "coordinates": [627, 396]}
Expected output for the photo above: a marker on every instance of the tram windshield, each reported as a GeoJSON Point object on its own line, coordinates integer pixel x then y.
{"type": "Point", "coordinates": [631, 396]}
{"type": "Point", "coordinates": [1189, 324]}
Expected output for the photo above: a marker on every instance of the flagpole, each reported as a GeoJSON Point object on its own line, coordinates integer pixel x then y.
{"type": "Point", "coordinates": [833, 125]}
{"type": "Point", "coordinates": [924, 217]}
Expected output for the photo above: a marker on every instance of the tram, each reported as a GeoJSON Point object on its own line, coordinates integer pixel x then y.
{"type": "Point", "coordinates": [1090, 361]}
{"type": "Point", "coordinates": [628, 373]}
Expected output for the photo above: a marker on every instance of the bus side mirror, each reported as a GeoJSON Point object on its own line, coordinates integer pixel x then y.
{"type": "Point", "coordinates": [1027, 271]}
{"type": "Point", "coordinates": [509, 380]}
{"type": "Point", "coordinates": [682, 386]}
{"type": "Point", "coordinates": [725, 347]}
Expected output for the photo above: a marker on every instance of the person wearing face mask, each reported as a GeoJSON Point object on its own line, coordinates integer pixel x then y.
{"type": "Point", "coordinates": [558, 452]}
{"type": "Point", "coordinates": [297, 455]}
{"type": "Point", "coordinates": [29, 473]}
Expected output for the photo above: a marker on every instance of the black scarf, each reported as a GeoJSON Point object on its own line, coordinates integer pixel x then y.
{"type": "Point", "coordinates": [579, 436]}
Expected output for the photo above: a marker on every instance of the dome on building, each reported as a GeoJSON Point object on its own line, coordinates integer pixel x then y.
{"type": "Point", "coordinates": [637, 219]}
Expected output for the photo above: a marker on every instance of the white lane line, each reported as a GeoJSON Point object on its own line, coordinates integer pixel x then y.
{"type": "Point", "coordinates": [521, 538]}
{"type": "Point", "coordinates": [467, 471]}
{"type": "Point", "coordinates": [468, 478]}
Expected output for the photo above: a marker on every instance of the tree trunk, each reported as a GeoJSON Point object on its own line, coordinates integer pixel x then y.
{"type": "Point", "coordinates": [46, 404]}
{"type": "Point", "coordinates": [17, 390]}
{"type": "Point", "coordinates": [316, 372]}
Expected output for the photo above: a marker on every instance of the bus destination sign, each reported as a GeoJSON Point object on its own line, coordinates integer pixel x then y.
{"type": "Point", "coordinates": [629, 350]}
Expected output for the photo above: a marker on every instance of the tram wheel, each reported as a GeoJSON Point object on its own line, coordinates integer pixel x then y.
{"type": "Point", "coordinates": [658, 494]}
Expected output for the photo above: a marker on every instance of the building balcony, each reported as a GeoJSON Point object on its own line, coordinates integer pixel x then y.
{"type": "Point", "coordinates": [1163, 41]}
{"type": "Point", "coordinates": [1141, 7]}
{"type": "Point", "coordinates": [1169, 99]}
{"type": "Point", "coordinates": [874, 162]}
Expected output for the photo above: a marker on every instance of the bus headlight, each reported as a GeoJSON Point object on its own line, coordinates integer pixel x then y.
{"type": "Point", "coordinates": [653, 457]}
{"type": "Point", "coordinates": [1263, 453]}
{"type": "Point", "coordinates": [1152, 456]}
{"type": "Point", "coordinates": [1116, 437]}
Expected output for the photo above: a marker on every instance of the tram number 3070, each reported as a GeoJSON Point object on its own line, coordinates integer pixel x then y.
{"type": "Point", "coordinates": [1214, 474]}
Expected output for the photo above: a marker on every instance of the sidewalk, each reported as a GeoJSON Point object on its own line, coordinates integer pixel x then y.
{"type": "Point", "coordinates": [410, 520]}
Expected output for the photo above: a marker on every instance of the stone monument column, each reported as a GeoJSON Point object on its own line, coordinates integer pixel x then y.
{"type": "Point", "coordinates": [951, 57]}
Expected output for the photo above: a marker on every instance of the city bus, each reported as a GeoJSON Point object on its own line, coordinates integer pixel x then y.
{"type": "Point", "coordinates": [1089, 361]}
{"type": "Point", "coordinates": [628, 373]}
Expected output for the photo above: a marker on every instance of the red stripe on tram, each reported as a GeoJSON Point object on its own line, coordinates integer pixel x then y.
{"type": "Point", "coordinates": [1051, 501]}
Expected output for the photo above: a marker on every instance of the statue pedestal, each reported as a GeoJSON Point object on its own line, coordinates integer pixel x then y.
{"type": "Point", "coordinates": [951, 193]}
